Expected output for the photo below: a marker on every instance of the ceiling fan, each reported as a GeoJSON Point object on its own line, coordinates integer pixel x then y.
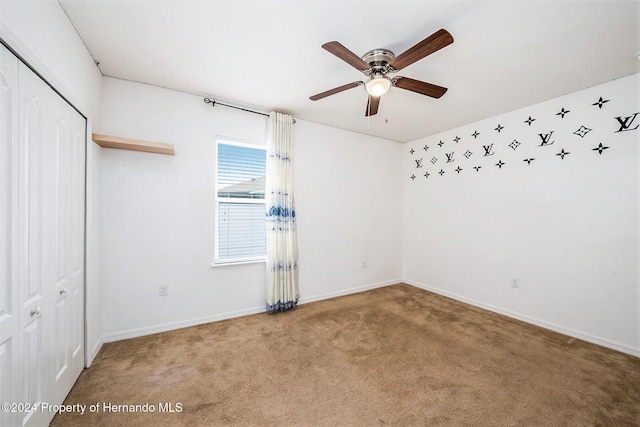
{"type": "Point", "coordinates": [377, 64]}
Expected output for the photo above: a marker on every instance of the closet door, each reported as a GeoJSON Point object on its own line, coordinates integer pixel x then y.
{"type": "Point", "coordinates": [9, 329]}
{"type": "Point", "coordinates": [42, 163]}
{"type": "Point", "coordinates": [36, 313]}
{"type": "Point", "coordinates": [54, 141]}
{"type": "Point", "coordinates": [66, 223]}
{"type": "Point", "coordinates": [59, 223]}
{"type": "Point", "coordinates": [77, 243]}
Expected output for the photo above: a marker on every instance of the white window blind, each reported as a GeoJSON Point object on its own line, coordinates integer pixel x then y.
{"type": "Point", "coordinates": [240, 175]}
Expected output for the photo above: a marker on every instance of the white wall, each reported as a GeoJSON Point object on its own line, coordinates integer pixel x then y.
{"type": "Point", "coordinates": [568, 229]}
{"type": "Point", "coordinates": [40, 32]}
{"type": "Point", "coordinates": [158, 212]}
{"type": "Point", "coordinates": [349, 200]}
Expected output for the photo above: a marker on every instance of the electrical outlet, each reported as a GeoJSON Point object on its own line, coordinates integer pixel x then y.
{"type": "Point", "coordinates": [163, 290]}
{"type": "Point", "coordinates": [515, 283]}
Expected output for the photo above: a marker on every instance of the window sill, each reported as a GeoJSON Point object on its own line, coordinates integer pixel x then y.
{"type": "Point", "coordinates": [225, 263]}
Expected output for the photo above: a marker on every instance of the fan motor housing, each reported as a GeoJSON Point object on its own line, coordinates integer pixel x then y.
{"type": "Point", "coordinates": [378, 57]}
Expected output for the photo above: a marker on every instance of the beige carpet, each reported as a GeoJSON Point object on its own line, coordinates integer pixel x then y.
{"type": "Point", "coordinates": [392, 356]}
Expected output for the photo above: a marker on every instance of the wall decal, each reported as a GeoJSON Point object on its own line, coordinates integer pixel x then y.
{"type": "Point", "coordinates": [540, 129]}
{"type": "Point", "coordinates": [413, 177]}
{"type": "Point", "coordinates": [545, 139]}
{"type": "Point", "coordinates": [625, 124]}
{"type": "Point", "coordinates": [600, 148]}
{"type": "Point", "coordinates": [600, 102]}
{"type": "Point", "coordinates": [450, 157]}
{"type": "Point", "coordinates": [488, 150]}
{"type": "Point", "coordinates": [582, 131]}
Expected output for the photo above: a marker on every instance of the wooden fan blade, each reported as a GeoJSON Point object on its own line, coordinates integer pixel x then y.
{"type": "Point", "coordinates": [335, 90]}
{"type": "Point", "coordinates": [372, 106]}
{"type": "Point", "coordinates": [433, 43]}
{"type": "Point", "coordinates": [346, 55]}
{"type": "Point", "coordinates": [417, 86]}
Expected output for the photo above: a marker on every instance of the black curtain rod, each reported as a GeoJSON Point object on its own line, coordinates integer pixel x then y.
{"type": "Point", "coordinates": [213, 103]}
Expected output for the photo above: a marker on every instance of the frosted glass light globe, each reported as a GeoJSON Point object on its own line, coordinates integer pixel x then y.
{"type": "Point", "coordinates": [378, 85]}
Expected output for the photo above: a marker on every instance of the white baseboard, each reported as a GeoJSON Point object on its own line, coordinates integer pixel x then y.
{"type": "Point", "coordinates": [154, 329]}
{"type": "Point", "coordinates": [604, 342]}
{"type": "Point", "coordinates": [349, 291]}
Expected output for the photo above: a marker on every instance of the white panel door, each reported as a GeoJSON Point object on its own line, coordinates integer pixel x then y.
{"type": "Point", "coordinates": [59, 148]}
{"type": "Point", "coordinates": [77, 244]}
{"type": "Point", "coordinates": [62, 216]}
{"type": "Point", "coordinates": [66, 216]}
{"type": "Point", "coordinates": [42, 163]}
{"type": "Point", "coordinates": [34, 310]}
{"type": "Point", "coordinates": [9, 328]}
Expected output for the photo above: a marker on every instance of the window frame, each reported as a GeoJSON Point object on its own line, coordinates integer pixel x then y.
{"type": "Point", "coordinates": [217, 262]}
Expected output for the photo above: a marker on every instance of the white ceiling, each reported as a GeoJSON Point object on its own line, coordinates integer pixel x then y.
{"type": "Point", "coordinates": [267, 54]}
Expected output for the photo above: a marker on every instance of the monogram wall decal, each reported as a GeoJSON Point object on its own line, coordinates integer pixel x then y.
{"type": "Point", "coordinates": [528, 139]}
{"type": "Point", "coordinates": [625, 124]}
{"type": "Point", "coordinates": [450, 157]}
{"type": "Point", "coordinates": [488, 150]}
{"type": "Point", "coordinates": [546, 139]}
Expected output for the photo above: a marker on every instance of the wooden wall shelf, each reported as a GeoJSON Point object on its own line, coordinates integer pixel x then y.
{"type": "Point", "coordinates": [120, 143]}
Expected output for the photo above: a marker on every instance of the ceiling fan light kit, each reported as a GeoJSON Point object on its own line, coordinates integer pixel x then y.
{"type": "Point", "coordinates": [378, 85]}
{"type": "Point", "coordinates": [378, 63]}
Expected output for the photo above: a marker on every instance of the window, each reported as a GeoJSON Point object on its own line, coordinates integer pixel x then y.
{"type": "Point", "coordinates": [240, 175]}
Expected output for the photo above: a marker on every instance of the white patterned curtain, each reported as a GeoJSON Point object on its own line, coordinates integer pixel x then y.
{"type": "Point", "coordinates": [282, 240]}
